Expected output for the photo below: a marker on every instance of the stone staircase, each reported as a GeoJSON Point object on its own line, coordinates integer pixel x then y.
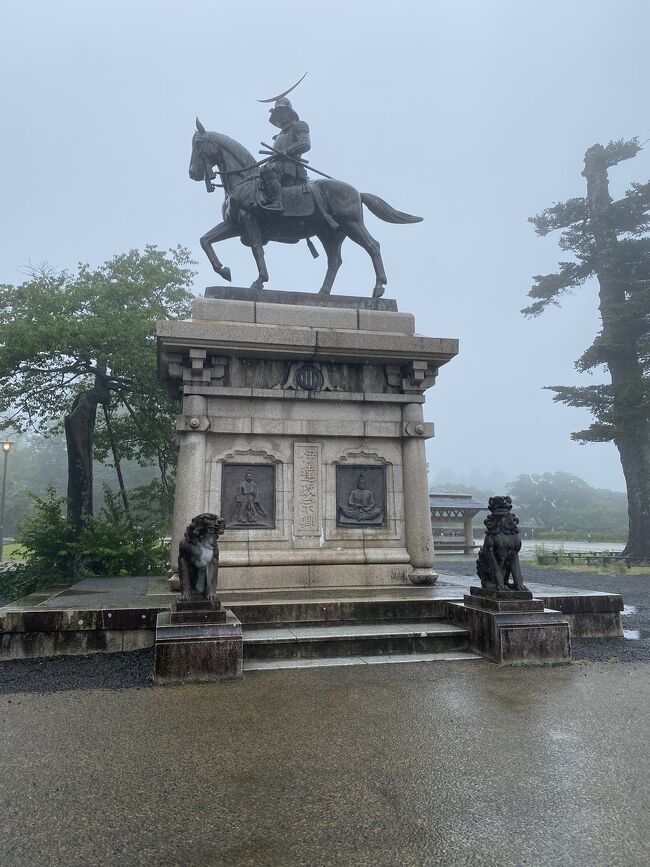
{"type": "Point", "coordinates": [335, 632]}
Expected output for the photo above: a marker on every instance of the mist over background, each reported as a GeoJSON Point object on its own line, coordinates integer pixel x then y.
{"type": "Point", "coordinates": [475, 115]}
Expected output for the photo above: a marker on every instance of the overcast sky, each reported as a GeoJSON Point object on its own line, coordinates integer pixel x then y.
{"type": "Point", "coordinates": [474, 114]}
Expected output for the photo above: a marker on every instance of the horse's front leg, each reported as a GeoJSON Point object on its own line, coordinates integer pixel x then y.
{"type": "Point", "coordinates": [255, 240]}
{"type": "Point", "coordinates": [260, 261]}
{"type": "Point", "coordinates": [221, 232]}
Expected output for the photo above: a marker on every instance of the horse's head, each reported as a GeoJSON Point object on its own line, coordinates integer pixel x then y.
{"type": "Point", "coordinates": [201, 147]}
{"type": "Point", "coordinates": [213, 148]}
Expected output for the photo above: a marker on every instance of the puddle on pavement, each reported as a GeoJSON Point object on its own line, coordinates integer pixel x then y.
{"type": "Point", "coordinates": [636, 634]}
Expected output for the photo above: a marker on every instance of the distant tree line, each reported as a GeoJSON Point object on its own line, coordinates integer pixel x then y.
{"type": "Point", "coordinates": [558, 502]}
{"type": "Point", "coordinates": [37, 463]}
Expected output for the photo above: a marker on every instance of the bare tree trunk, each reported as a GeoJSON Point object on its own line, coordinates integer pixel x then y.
{"type": "Point", "coordinates": [79, 426]}
{"type": "Point", "coordinates": [116, 460]}
{"type": "Point", "coordinates": [632, 438]}
{"type": "Point", "coordinates": [79, 431]}
{"type": "Point", "coordinates": [635, 460]}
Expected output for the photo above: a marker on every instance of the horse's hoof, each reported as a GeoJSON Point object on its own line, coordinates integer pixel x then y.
{"type": "Point", "coordinates": [257, 284]}
{"type": "Point", "coordinates": [225, 273]}
{"type": "Point", "coordinates": [324, 291]}
{"type": "Point", "coordinates": [378, 290]}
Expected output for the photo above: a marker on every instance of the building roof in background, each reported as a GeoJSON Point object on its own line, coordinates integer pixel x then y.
{"type": "Point", "coordinates": [455, 501]}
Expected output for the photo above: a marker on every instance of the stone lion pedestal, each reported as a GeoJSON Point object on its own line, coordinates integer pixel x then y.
{"type": "Point", "coordinates": [511, 627]}
{"type": "Point", "coordinates": [197, 641]}
{"type": "Point", "coordinates": [301, 424]}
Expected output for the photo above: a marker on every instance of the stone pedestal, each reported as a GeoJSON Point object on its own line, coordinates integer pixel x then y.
{"type": "Point", "coordinates": [197, 641]}
{"type": "Point", "coordinates": [511, 627]}
{"type": "Point", "coordinates": [301, 424]}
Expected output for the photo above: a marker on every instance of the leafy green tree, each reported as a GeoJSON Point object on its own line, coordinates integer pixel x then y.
{"type": "Point", "coordinates": [610, 241]}
{"type": "Point", "coordinates": [73, 342]}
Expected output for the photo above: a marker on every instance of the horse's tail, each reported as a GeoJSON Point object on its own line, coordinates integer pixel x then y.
{"type": "Point", "coordinates": [385, 212]}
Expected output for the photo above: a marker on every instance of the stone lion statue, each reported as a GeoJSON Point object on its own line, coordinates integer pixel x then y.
{"type": "Point", "coordinates": [198, 557]}
{"type": "Point", "coordinates": [498, 560]}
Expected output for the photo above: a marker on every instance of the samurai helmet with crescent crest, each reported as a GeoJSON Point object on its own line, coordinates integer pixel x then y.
{"type": "Point", "coordinates": [282, 109]}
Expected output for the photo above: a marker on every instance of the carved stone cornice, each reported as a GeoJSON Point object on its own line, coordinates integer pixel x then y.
{"type": "Point", "coordinates": [194, 367]}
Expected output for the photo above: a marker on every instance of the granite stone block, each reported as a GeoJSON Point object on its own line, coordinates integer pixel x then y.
{"type": "Point", "coordinates": [190, 652]}
{"type": "Point", "coordinates": [504, 604]}
{"type": "Point", "coordinates": [305, 317]}
{"type": "Point", "coordinates": [378, 320]}
{"type": "Point", "coordinates": [223, 310]}
{"type": "Point", "coordinates": [310, 299]}
{"type": "Point", "coordinates": [514, 638]}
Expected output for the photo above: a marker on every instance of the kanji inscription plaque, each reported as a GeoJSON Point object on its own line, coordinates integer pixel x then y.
{"type": "Point", "coordinates": [306, 489]}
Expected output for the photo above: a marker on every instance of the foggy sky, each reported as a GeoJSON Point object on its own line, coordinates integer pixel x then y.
{"type": "Point", "coordinates": [475, 115]}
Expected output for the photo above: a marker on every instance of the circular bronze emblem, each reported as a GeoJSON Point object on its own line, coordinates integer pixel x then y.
{"type": "Point", "coordinates": [310, 378]}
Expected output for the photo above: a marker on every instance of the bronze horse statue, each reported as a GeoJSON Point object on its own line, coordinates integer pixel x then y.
{"type": "Point", "coordinates": [337, 212]}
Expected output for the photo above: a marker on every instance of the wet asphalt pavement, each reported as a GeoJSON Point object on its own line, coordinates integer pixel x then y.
{"type": "Point", "coordinates": [417, 764]}
{"type": "Point", "coordinates": [450, 763]}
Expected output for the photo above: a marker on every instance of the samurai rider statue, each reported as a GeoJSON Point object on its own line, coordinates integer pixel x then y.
{"type": "Point", "coordinates": [293, 139]}
{"type": "Point", "coordinates": [292, 208]}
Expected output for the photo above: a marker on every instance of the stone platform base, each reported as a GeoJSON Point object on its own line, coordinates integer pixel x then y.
{"type": "Point", "coordinates": [511, 627]}
{"type": "Point", "coordinates": [200, 643]}
{"type": "Point", "coordinates": [111, 615]}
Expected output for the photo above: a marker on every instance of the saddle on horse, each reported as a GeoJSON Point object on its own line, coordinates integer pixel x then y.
{"type": "Point", "coordinates": [297, 201]}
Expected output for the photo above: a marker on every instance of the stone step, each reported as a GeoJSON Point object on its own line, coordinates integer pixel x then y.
{"type": "Point", "coordinates": [352, 639]}
{"type": "Point", "coordinates": [302, 612]}
{"type": "Point", "coordinates": [338, 661]}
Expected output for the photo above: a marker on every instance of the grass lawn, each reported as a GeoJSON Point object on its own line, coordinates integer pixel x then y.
{"type": "Point", "coordinates": [615, 568]}
{"type": "Point", "coordinates": [11, 551]}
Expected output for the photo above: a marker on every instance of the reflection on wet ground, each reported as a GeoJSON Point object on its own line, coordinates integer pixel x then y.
{"type": "Point", "coordinates": [636, 634]}
{"type": "Point", "coordinates": [633, 634]}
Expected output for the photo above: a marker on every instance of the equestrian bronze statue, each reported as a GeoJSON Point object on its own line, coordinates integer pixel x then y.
{"type": "Point", "coordinates": [273, 200]}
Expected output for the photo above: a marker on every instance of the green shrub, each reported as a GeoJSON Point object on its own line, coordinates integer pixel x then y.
{"type": "Point", "coordinates": [112, 544]}
{"type": "Point", "coordinates": [116, 544]}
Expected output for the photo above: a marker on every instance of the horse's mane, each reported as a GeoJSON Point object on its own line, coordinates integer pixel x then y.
{"type": "Point", "coordinates": [237, 151]}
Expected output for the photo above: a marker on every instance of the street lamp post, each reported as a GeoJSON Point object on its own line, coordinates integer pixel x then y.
{"type": "Point", "coordinates": [6, 448]}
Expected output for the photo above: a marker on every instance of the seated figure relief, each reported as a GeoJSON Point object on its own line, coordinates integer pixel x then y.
{"type": "Point", "coordinates": [361, 506]}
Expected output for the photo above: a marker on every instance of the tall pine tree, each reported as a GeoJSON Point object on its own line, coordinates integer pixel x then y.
{"type": "Point", "coordinates": [610, 241]}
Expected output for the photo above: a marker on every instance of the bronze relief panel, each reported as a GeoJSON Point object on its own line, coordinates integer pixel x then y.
{"type": "Point", "coordinates": [360, 495]}
{"type": "Point", "coordinates": [248, 496]}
